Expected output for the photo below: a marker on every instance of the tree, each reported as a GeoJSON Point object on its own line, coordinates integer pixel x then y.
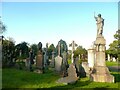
{"type": "Point", "coordinates": [51, 48]}
{"type": "Point", "coordinates": [8, 53]}
{"type": "Point", "coordinates": [114, 46]}
{"type": "Point", "coordinates": [2, 26]}
{"type": "Point", "coordinates": [34, 48]}
{"type": "Point", "coordinates": [23, 49]}
{"type": "Point", "coordinates": [80, 51]}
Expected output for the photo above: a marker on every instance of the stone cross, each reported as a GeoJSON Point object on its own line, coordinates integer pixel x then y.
{"type": "Point", "coordinates": [59, 49]}
{"type": "Point", "coordinates": [73, 45]}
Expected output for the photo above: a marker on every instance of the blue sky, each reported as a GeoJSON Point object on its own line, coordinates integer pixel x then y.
{"type": "Point", "coordinates": [44, 22]}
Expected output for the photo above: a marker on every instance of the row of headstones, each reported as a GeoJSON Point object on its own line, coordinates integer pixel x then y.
{"type": "Point", "coordinates": [111, 58]}
{"type": "Point", "coordinates": [41, 60]}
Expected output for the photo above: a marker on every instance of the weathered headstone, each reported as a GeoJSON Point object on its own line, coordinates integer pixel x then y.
{"type": "Point", "coordinates": [86, 69]}
{"type": "Point", "coordinates": [52, 64]}
{"type": "Point", "coordinates": [39, 59]}
{"type": "Point", "coordinates": [72, 76]}
{"type": "Point", "coordinates": [91, 56]}
{"type": "Point", "coordinates": [100, 72]}
{"type": "Point", "coordinates": [58, 61]}
{"type": "Point", "coordinates": [114, 60]}
{"type": "Point", "coordinates": [77, 65]}
{"type": "Point", "coordinates": [64, 63]}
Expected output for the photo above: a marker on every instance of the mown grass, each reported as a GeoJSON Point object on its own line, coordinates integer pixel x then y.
{"type": "Point", "coordinates": [13, 78]}
{"type": "Point", "coordinates": [108, 63]}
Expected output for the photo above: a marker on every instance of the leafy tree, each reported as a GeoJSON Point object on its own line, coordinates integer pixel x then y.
{"type": "Point", "coordinates": [114, 48]}
{"type": "Point", "coordinates": [8, 53]}
{"type": "Point", "coordinates": [2, 26]}
{"type": "Point", "coordinates": [34, 48]}
{"type": "Point", "coordinates": [80, 51]}
{"type": "Point", "coordinates": [23, 48]}
{"type": "Point", "coordinates": [51, 48]}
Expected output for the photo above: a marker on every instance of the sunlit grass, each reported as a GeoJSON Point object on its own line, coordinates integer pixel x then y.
{"type": "Point", "coordinates": [108, 63]}
{"type": "Point", "coordinates": [13, 78]}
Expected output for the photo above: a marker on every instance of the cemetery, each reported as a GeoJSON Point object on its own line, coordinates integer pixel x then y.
{"type": "Point", "coordinates": [53, 67]}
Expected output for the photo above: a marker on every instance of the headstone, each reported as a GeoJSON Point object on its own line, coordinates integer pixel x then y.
{"type": "Point", "coordinates": [91, 57]}
{"type": "Point", "coordinates": [76, 62]}
{"type": "Point", "coordinates": [100, 71]}
{"type": "Point", "coordinates": [86, 69]}
{"type": "Point", "coordinates": [73, 45]}
{"type": "Point", "coordinates": [39, 59]}
{"type": "Point", "coordinates": [72, 76]}
{"type": "Point", "coordinates": [53, 60]}
{"type": "Point", "coordinates": [108, 57]}
{"type": "Point", "coordinates": [64, 63]}
{"type": "Point", "coordinates": [114, 60]}
{"type": "Point", "coordinates": [58, 61]}
{"type": "Point", "coordinates": [58, 64]}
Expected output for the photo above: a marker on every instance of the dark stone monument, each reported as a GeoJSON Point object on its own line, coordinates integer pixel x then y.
{"type": "Point", "coordinates": [30, 61]}
{"type": "Point", "coordinates": [40, 59]}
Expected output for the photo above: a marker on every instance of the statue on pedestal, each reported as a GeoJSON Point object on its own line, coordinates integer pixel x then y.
{"type": "Point", "coordinates": [100, 24]}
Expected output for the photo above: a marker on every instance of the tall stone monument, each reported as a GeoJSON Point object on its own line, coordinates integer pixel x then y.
{"type": "Point", "coordinates": [91, 56]}
{"type": "Point", "coordinates": [100, 72]}
{"type": "Point", "coordinates": [40, 59]}
{"type": "Point", "coordinates": [73, 45]}
{"type": "Point", "coordinates": [58, 61]}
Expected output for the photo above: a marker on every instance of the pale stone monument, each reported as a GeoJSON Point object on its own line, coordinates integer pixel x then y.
{"type": "Point", "coordinates": [108, 57]}
{"type": "Point", "coordinates": [100, 72]}
{"type": "Point", "coordinates": [73, 45]}
{"type": "Point", "coordinates": [91, 56]}
{"type": "Point", "coordinates": [58, 61]}
{"type": "Point", "coordinates": [114, 60]}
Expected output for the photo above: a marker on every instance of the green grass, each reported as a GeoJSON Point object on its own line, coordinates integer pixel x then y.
{"type": "Point", "coordinates": [108, 63]}
{"type": "Point", "coordinates": [13, 78]}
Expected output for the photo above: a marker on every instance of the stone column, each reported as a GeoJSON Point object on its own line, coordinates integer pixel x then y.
{"type": "Point", "coordinates": [73, 45]}
{"type": "Point", "coordinates": [91, 57]}
{"type": "Point", "coordinates": [108, 57]}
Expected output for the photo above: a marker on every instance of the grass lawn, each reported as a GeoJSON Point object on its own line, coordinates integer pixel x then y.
{"type": "Point", "coordinates": [108, 63]}
{"type": "Point", "coordinates": [13, 78]}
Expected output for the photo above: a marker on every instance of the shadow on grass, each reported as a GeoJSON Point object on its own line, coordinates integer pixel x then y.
{"type": "Point", "coordinates": [75, 86]}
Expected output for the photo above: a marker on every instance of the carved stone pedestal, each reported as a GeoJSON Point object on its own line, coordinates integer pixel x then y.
{"type": "Point", "coordinates": [100, 72]}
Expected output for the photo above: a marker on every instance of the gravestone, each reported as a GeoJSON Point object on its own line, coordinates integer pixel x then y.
{"type": "Point", "coordinates": [91, 56]}
{"type": "Point", "coordinates": [39, 60]}
{"type": "Point", "coordinates": [30, 61]}
{"type": "Point", "coordinates": [52, 64]}
{"type": "Point", "coordinates": [114, 60]}
{"type": "Point", "coordinates": [72, 76]}
{"type": "Point", "coordinates": [86, 69]}
{"type": "Point", "coordinates": [58, 61]}
{"type": "Point", "coordinates": [64, 63]}
{"type": "Point", "coordinates": [77, 65]}
{"type": "Point", "coordinates": [100, 72]}
{"type": "Point", "coordinates": [108, 57]}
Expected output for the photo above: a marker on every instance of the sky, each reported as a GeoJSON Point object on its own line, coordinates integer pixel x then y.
{"type": "Point", "coordinates": [48, 22]}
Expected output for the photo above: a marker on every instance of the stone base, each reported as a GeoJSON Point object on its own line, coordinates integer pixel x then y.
{"type": "Point", "coordinates": [38, 71]}
{"type": "Point", "coordinates": [101, 74]}
{"type": "Point", "coordinates": [72, 76]}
